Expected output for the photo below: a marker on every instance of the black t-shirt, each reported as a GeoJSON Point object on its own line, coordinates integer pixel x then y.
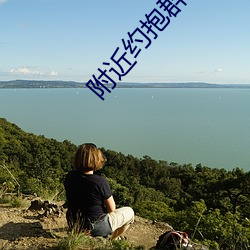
{"type": "Point", "coordinates": [86, 193]}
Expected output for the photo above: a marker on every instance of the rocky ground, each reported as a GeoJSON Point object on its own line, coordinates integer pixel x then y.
{"type": "Point", "coordinates": [43, 228]}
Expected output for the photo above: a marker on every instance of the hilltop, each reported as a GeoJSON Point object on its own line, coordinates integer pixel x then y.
{"type": "Point", "coordinates": [39, 229]}
{"type": "Point", "coordinates": [211, 204]}
{"type": "Point", "coordinates": [26, 229]}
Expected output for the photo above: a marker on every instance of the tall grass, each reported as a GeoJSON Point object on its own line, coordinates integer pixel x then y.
{"type": "Point", "coordinates": [14, 201]}
{"type": "Point", "coordinates": [83, 241]}
{"type": "Point", "coordinates": [75, 241]}
{"type": "Point", "coordinates": [19, 202]}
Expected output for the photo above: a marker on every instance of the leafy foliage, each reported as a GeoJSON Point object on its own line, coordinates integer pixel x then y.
{"type": "Point", "coordinates": [37, 162]}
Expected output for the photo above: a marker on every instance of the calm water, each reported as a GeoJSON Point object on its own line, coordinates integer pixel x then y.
{"type": "Point", "coordinates": [208, 126]}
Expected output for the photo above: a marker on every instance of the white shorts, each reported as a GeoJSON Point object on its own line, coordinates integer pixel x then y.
{"type": "Point", "coordinates": [120, 217]}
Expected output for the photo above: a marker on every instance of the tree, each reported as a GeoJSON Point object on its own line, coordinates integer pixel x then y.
{"type": "Point", "coordinates": [154, 210]}
{"type": "Point", "coordinates": [237, 189]}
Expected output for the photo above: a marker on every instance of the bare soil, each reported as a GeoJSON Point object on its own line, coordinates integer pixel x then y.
{"type": "Point", "coordinates": [25, 229]}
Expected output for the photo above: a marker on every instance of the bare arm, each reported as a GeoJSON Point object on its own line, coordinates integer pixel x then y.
{"type": "Point", "coordinates": [110, 204]}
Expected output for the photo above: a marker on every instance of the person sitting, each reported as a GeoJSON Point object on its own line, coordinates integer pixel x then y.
{"type": "Point", "coordinates": [90, 202]}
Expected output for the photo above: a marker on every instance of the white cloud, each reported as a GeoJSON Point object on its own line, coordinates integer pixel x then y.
{"type": "Point", "coordinates": [25, 71]}
{"type": "Point", "coordinates": [53, 73]}
{"type": "Point", "coordinates": [32, 71]}
{"type": "Point", "coordinates": [211, 72]}
{"type": "Point", "coordinates": [2, 1]}
{"type": "Point", "coordinates": [22, 71]}
{"type": "Point", "coordinates": [218, 70]}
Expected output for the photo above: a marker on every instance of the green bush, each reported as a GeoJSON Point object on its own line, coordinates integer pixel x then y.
{"type": "Point", "coordinates": [18, 202]}
{"type": "Point", "coordinates": [153, 210]}
{"type": "Point", "coordinates": [5, 200]}
{"type": "Point", "coordinates": [75, 241]}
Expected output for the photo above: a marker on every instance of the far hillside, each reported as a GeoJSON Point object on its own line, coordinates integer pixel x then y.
{"type": "Point", "coordinates": [17, 84]}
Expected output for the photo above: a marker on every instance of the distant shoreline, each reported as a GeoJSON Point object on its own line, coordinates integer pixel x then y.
{"type": "Point", "coordinates": [22, 84]}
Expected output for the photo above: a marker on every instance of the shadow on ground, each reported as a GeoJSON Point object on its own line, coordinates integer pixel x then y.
{"type": "Point", "coordinates": [12, 231]}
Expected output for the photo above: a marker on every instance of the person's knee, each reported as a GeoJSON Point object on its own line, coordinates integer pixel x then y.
{"type": "Point", "coordinates": [130, 214]}
{"type": "Point", "coordinates": [129, 210]}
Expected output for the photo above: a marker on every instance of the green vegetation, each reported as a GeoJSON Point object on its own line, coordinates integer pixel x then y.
{"type": "Point", "coordinates": [81, 241]}
{"type": "Point", "coordinates": [39, 164]}
{"type": "Point", "coordinates": [211, 205]}
{"type": "Point", "coordinates": [75, 241]}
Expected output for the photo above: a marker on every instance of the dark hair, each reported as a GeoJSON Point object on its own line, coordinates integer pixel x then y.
{"type": "Point", "coordinates": [88, 157]}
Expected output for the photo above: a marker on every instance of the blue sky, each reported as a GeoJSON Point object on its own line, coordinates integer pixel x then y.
{"type": "Point", "coordinates": [70, 39]}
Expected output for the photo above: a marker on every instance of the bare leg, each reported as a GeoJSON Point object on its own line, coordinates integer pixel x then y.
{"type": "Point", "coordinates": [119, 231]}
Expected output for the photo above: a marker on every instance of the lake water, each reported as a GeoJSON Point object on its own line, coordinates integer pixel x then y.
{"type": "Point", "coordinates": [207, 126]}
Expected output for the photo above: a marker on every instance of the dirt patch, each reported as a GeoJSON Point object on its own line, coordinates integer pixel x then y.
{"type": "Point", "coordinates": [25, 229]}
{"type": "Point", "coordinates": [145, 232]}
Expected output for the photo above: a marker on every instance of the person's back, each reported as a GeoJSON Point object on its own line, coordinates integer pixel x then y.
{"type": "Point", "coordinates": [89, 198]}
{"type": "Point", "coordinates": [85, 196]}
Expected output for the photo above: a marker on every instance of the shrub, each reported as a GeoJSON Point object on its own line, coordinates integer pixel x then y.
{"type": "Point", "coordinates": [75, 241]}
{"type": "Point", "coordinates": [152, 210]}
{"type": "Point", "coordinates": [18, 202]}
